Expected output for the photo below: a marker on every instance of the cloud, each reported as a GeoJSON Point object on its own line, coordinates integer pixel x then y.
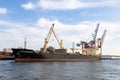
{"type": "Point", "coordinates": [28, 6]}
{"type": "Point", "coordinates": [3, 10]}
{"type": "Point", "coordinates": [75, 4]}
{"type": "Point", "coordinates": [14, 33]}
{"type": "Point", "coordinates": [70, 4]}
{"type": "Point", "coordinates": [43, 22]}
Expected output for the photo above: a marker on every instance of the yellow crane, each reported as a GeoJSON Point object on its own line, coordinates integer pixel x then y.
{"type": "Point", "coordinates": [48, 38]}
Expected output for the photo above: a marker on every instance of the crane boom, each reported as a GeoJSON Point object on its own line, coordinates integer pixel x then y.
{"type": "Point", "coordinates": [59, 42]}
{"type": "Point", "coordinates": [48, 38]}
{"type": "Point", "coordinates": [103, 37]}
{"type": "Point", "coordinates": [95, 33]}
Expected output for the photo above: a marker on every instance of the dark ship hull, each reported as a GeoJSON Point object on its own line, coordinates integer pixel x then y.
{"type": "Point", "coordinates": [23, 55]}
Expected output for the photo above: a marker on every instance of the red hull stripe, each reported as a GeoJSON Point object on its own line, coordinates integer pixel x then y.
{"type": "Point", "coordinates": [51, 60]}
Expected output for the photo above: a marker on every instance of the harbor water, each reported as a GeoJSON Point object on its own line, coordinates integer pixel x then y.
{"type": "Point", "coordinates": [96, 70]}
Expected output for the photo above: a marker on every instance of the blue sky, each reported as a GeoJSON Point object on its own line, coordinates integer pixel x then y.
{"type": "Point", "coordinates": [75, 20]}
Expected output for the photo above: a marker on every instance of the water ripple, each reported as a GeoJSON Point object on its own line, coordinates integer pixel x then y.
{"type": "Point", "coordinates": [100, 70]}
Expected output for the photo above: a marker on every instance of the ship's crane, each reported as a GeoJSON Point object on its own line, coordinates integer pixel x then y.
{"type": "Point", "coordinates": [92, 47]}
{"type": "Point", "coordinates": [92, 42]}
{"type": "Point", "coordinates": [103, 37]}
{"type": "Point", "coordinates": [95, 34]}
{"type": "Point", "coordinates": [100, 40]}
{"type": "Point", "coordinates": [48, 38]}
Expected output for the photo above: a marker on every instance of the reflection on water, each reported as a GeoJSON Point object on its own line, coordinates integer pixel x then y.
{"type": "Point", "coordinates": [99, 70]}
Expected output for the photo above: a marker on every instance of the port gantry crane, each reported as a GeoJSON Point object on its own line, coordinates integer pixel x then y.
{"type": "Point", "coordinates": [48, 38]}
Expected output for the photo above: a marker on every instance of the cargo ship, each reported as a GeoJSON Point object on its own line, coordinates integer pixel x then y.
{"type": "Point", "coordinates": [89, 51]}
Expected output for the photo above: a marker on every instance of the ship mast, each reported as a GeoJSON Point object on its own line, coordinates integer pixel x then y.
{"type": "Point", "coordinates": [25, 43]}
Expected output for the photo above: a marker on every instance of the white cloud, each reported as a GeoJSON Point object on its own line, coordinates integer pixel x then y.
{"type": "Point", "coordinates": [75, 4]}
{"type": "Point", "coordinates": [14, 33]}
{"type": "Point", "coordinates": [65, 4]}
{"type": "Point", "coordinates": [70, 4]}
{"type": "Point", "coordinates": [3, 10]}
{"type": "Point", "coordinates": [28, 6]}
{"type": "Point", "coordinates": [43, 22]}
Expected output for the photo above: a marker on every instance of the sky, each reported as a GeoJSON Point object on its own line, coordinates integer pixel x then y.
{"type": "Point", "coordinates": [75, 21]}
